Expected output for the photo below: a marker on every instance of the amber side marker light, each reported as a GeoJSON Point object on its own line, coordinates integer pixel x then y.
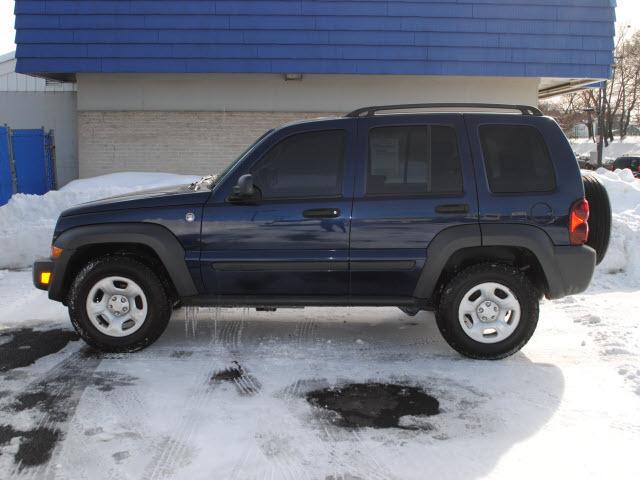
{"type": "Point", "coordinates": [45, 278]}
{"type": "Point", "coordinates": [55, 251]}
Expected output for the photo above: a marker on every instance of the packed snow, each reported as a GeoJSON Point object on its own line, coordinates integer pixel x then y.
{"type": "Point", "coordinates": [622, 256]}
{"type": "Point", "coordinates": [27, 221]}
{"type": "Point", "coordinates": [567, 406]}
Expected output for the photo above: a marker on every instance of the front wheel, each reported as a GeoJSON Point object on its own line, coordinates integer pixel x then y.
{"type": "Point", "coordinates": [118, 304]}
{"type": "Point", "coordinates": [488, 311]}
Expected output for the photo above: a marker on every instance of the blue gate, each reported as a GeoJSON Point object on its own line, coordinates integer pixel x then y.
{"type": "Point", "coordinates": [6, 177]}
{"type": "Point", "coordinates": [27, 162]}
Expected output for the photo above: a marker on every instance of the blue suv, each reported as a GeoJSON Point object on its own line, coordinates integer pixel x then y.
{"type": "Point", "coordinates": [475, 216]}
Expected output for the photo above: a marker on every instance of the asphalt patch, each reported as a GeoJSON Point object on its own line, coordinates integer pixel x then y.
{"type": "Point", "coordinates": [245, 383]}
{"type": "Point", "coordinates": [21, 348]}
{"type": "Point", "coordinates": [107, 381]}
{"type": "Point", "coordinates": [377, 405]}
{"type": "Point", "coordinates": [229, 374]}
{"type": "Point", "coordinates": [35, 445]}
{"type": "Point", "coordinates": [42, 400]}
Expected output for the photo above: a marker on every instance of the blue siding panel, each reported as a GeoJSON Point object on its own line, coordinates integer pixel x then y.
{"type": "Point", "coordinates": [558, 38]}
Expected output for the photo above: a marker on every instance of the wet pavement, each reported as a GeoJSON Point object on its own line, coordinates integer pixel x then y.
{"type": "Point", "coordinates": [315, 393]}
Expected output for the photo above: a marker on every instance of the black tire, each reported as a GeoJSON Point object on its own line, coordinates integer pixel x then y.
{"type": "Point", "coordinates": [599, 215]}
{"type": "Point", "coordinates": [158, 304]}
{"type": "Point", "coordinates": [453, 293]}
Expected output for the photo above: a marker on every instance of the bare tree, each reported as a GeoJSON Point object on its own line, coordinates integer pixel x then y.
{"type": "Point", "coordinates": [615, 104]}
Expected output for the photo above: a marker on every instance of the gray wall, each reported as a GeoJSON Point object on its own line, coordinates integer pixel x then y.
{"type": "Point", "coordinates": [271, 93]}
{"type": "Point", "coordinates": [52, 110]}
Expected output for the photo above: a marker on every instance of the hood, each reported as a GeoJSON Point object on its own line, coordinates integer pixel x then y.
{"type": "Point", "coordinates": [152, 198]}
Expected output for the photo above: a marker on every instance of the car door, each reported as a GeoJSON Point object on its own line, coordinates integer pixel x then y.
{"type": "Point", "coordinates": [294, 240]}
{"type": "Point", "coordinates": [414, 179]}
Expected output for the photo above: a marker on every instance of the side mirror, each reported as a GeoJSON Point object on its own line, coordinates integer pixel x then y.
{"type": "Point", "coordinates": [244, 187]}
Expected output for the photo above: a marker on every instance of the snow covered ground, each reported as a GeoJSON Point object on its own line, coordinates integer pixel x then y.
{"type": "Point", "coordinates": [223, 393]}
{"type": "Point", "coordinates": [628, 146]}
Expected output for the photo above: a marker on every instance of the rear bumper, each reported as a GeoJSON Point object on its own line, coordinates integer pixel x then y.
{"type": "Point", "coordinates": [574, 267]}
{"type": "Point", "coordinates": [43, 274]}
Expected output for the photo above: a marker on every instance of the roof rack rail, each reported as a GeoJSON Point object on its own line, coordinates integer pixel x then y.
{"type": "Point", "coordinates": [371, 111]}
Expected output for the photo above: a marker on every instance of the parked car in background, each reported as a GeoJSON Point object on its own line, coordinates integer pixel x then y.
{"type": "Point", "coordinates": [473, 215]}
{"type": "Point", "coordinates": [630, 162]}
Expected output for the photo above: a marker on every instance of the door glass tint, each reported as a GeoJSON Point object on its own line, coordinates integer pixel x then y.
{"type": "Point", "coordinates": [416, 159]}
{"type": "Point", "coordinates": [516, 159]}
{"type": "Point", "coordinates": [304, 165]}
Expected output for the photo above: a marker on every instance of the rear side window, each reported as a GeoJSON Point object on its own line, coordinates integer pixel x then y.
{"type": "Point", "coordinates": [416, 159]}
{"type": "Point", "coordinates": [304, 165]}
{"type": "Point", "coordinates": [516, 159]}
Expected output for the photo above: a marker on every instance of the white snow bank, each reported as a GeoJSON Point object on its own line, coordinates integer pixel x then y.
{"type": "Point", "coordinates": [628, 146]}
{"type": "Point", "coordinates": [27, 221]}
{"type": "Point", "coordinates": [622, 256]}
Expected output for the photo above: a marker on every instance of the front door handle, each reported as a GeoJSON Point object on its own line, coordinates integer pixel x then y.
{"type": "Point", "coordinates": [322, 213]}
{"type": "Point", "coordinates": [453, 208]}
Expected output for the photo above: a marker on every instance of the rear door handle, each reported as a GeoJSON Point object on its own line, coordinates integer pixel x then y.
{"type": "Point", "coordinates": [322, 213]}
{"type": "Point", "coordinates": [453, 208]}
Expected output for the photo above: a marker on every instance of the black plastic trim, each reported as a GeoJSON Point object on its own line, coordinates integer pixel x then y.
{"type": "Point", "coordinates": [441, 248]}
{"type": "Point", "coordinates": [279, 266]}
{"type": "Point", "coordinates": [42, 266]}
{"type": "Point", "coordinates": [151, 235]}
{"type": "Point", "coordinates": [276, 301]}
{"type": "Point", "coordinates": [567, 269]}
{"type": "Point", "coordinates": [382, 265]}
{"type": "Point", "coordinates": [371, 111]}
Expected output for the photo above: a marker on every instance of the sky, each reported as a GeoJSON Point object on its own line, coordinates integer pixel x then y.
{"type": "Point", "coordinates": [628, 13]}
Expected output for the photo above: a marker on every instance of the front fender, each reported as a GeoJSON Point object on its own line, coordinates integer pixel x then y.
{"type": "Point", "coordinates": [156, 237]}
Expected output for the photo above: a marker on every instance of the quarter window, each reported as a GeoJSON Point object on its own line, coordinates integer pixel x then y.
{"type": "Point", "coordinates": [415, 159]}
{"type": "Point", "coordinates": [516, 159]}
{"type": "Point", "coordinates": [309, 164]}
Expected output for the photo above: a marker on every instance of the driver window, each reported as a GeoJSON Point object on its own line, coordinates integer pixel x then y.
{"type": "Point", "coordinates": [309, 164]}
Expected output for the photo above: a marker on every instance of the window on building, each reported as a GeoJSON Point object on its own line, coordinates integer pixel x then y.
{"type": "Point", "coordinates": [516, 159]}
{"type": "Point", "coordinates": [413, 160]}
{"type": "Point", "coordinates": [304, 165]}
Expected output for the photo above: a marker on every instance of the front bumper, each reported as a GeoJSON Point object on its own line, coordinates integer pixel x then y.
{"type": "Point", "coordinates": [43, 274]}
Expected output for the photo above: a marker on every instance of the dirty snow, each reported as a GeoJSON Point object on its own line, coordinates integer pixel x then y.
{"type": "Point", "coordinates": [566, 406]}
{"type": "Point", "coordinates": [27, 221]}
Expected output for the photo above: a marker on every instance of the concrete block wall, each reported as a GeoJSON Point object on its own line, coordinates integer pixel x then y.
{"type": "Point", "coordinates": [170, 141]}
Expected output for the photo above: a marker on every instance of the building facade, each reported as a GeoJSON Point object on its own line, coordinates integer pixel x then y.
{"type": "Point", "coordinates": [28, 102]}
{"type": "Point", "coordinates": [184, 86]}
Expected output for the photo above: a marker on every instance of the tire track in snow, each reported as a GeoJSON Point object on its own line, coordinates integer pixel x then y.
{"type": "Point", "coordinates": [174, 451]}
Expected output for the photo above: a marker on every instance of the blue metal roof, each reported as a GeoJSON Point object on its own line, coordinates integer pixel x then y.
{"type": "Point", "coordinates": [541, 38]}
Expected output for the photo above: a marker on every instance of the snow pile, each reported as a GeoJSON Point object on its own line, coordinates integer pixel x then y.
{"type": "Point", "coordinates": [619, 148]}
{"type": "Point", "coordinates": [27, 221]}
{"type": "Point", "coordinates": [623, 254]}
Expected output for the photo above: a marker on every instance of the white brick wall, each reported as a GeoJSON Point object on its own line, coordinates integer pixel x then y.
{"type": "Point", "coordinates": [176, 142]}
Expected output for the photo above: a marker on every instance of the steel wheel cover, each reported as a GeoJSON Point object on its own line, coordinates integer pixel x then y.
{"type": "Point", "coordinates": [117, 306]}
{"type": "Point", "coordinates": [489, 312]}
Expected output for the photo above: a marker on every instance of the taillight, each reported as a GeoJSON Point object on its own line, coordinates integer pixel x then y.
{"type": "Point", "coordinates": [578, 222]}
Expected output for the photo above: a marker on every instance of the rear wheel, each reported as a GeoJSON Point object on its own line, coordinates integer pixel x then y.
{"type": "Point", "coordinates": [599, 215]}
{"type": "Point", "coordinates": [118, 304]}
{"type": "Point", "coordinates": [488, 311]}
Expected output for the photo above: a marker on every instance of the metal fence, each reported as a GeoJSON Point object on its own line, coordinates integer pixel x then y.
{"type": "Point", "coordinates": [27, 162]}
